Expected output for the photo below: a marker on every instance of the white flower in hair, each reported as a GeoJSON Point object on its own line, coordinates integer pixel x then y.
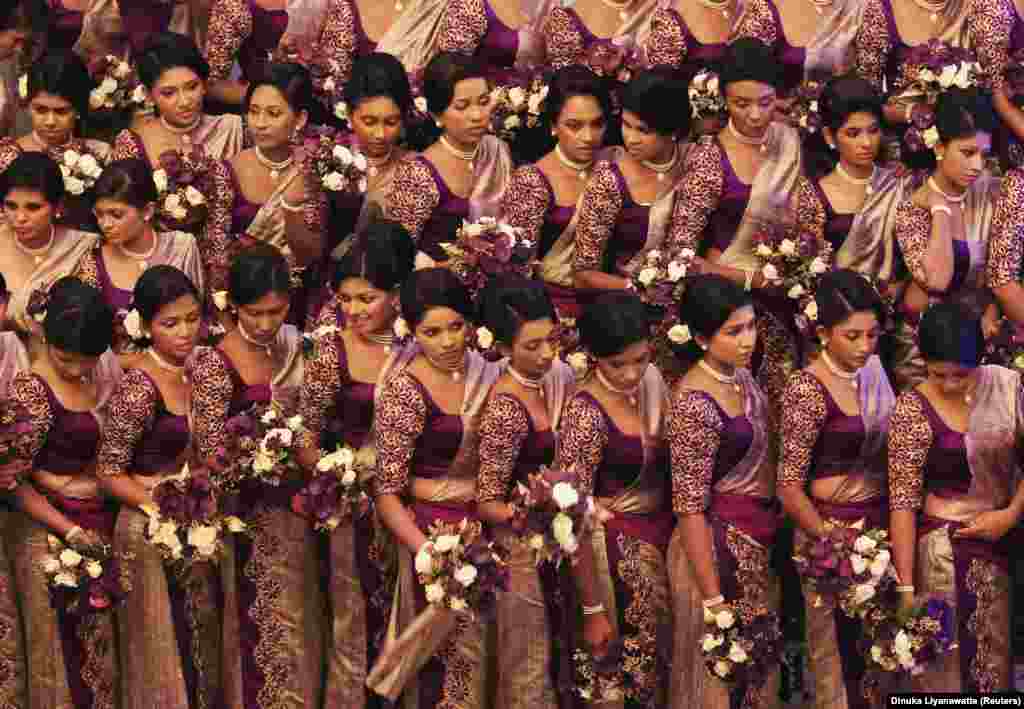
{"type": "Point", "coordinates": [811, 311]}
{"type": "Point", "coordinates": [139, 94]}
{"type": "Point", "coordinates": [359, 161]}
{"type": "Point", "coordinates": [194, 196]}
{"type": "Point", "coordinates": [517, 97]}
{"type": "Point", "coordinates": [466, 575]}
{"type": "Point", "coordinates": [133, 324]}
{"type": "Point", "coordinates": [679, 334]}
{"type": "Point", "coordinates": [421, 104]}
{"type": "Point", "coordinates": [74, 185]}
{"type": "Point", "coordinates": [342, 154]}
{"type": "Point", "coordinates": [333, 181]}
{"type": "Point", "coordinates": [401, 328]}
{"type": "Point", "coordinates": [23, 86]}
{"type": "Point", "coordinates": [108, 86]}
{"type": "Point", "coordinates": [764, 250]}
{"type": "Point", "coordinates": [484, 338]}
{"type": "Point", "coordinates": [769, 272]}
{"type": "Point", "coordinates": [931, 137]}
{"type": "Point", "coordinates": [818, 266]}
{"type": "Point", "coordinates": [512, 122]}
{"type": "Point", "coordinates": [787, 247]}
{"type": "Point", "coordinates": [676, 271]}
{"type": "Point", "coordinates": [220, 299]}
{"type": "Point", "coordinates": [579, 363]}
{"type": "Point", "coordinates": [89, 166]}
{"type": "Point", "coordinates": [160, 180]}
{"type": "Point", "coordinates": [796, 291]}
{"type": "Point", "coordinates": [647, 276]}
{"type": "Point", "coordinates": [564, 495]}
{"type": "Point", "coordinates": [434, 592]}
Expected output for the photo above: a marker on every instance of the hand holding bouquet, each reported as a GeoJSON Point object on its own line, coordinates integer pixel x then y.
{"type": "Point", "coordinates": [906, 642]}
{"type": "Point", "coordinates": [118, 87]}
{"type": "Point", "coordinates": [336, 165]}
{"type": "Point", "coordinates": [460, 570]}
{"type": "Point", "coordinates": [517, 107]}
{"type": "Point", "coordinates": [738, 649]}
{"type": "Point", "coordinates": [79, 583]}
{"type": "Point", "coordinates": [335, 494]}
{"type": "Point", "coordinates": [793, 263]}
{"type": "Point", "coordinates": [80, 168]}
{"type": "Point", "coordinates": [552, 516]}
{"type": "Point", "coordinates": [487, 248]}
{"type": "Point", "coordinates": [259, 447]}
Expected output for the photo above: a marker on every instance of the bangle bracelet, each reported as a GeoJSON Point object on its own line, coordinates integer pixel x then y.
{"type": "Point", "coordinates": [289, 207]}
{"type": "Point", "coordinates": [712, 602]}
{"type": "Point", "coordinates": [908, 115]}
{"type": "Point", "coordinates": [593, 610]}
{"type": "Point", "coordinates": [72, 533]}
{"type": "Point", "coordinates": [904, 589]}
{"type": "Point", "coordinates": [943, 209]}
{"type": "Point", "coordinates": [748, 281]}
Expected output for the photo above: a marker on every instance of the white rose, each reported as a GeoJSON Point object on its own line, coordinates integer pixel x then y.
{"type": "Point", "coordinates": [512, 122]}
{"type": "Point", "coordinates": [737, 654]}
{"type": "Point", "coordinates": [883, 554]}
{"type": "Point", "coordinates": [94, 569]}
{"type": "Point", "coordinates": [466, 575]}
{"type": "Point", "coordinates": [787, 247]}
{"type": "Point", "coordinates": [578, 362]}
{"type": "Point", "coordinates": [813, 106]}
{"type": "Point", "coordinates": [329, 85]}
{"type": "Point", "coordinates": [348, 478]}
{"type": "Point", "coordinates": [864, 544]}
{"type": "Point", "coordinates": [796, 291]}
{"type": "Point", "coordinates": [536, 99]}
{"type": "Point", "coordinates": [90, 166]}
{"type": "Point", "coordinates": [818, 266]}
{"type": "Point", "coordinates": [74, 185]}
{"type": "Point", "coordinates": [517, 97]}
{"type": "Point", "coordinates": [220, 299]}
{"type": "Point", "coordinates": [401, 328]}
{"type": "Point", "coordinates": [948, 76]}
{"type": "Point", "coordinates": [108, 85]}
{"type": "Point", "coordinates": [139, 94]}
{"type": "Point", "coordinates": [424, 561]}
{"type": "Point", "coordinates": [712, 84]}
{"type": "Point", "coordinates": [202, 537]}
{"type": "Point", "coordinates": [333, 522]}
{"type": "Point", "coordinates": [859, 563]}
{"type": "Point", "coordinates": [341, 110]}
{"type": "Point", "coordinates": [262, 463]}
{"type": "Point", "coordinates": [931, 137]}
{"type": "Point", "coordinates": [160, 180]}
{"type": "Point", "coordinates": [421, 104]}
{"type": "Point", "coordinates": [333, 181]}
{"type": "Point", "coordinates": [345, 456]}
{"type": "Point", "coordinates": [359, 162]}
{"type": "Point", "coordinates": [863, 592]}
{"type": "Point", "coordinates": [769, 272]}
{"type": "Point", "coordinates": [879, 566]}
{"type": "Point", "coordinates": [269, 416]}
{"type": "Point", "coordinates": [234, 524]}
{"type": "Point", "coordinates": [653, 256]}
{"type": "Point", "coordinates": [561, 526]}
{"type": "Point", "coordinates": [70, 558]}
{"type": "Point", "coordinates": [676, 271]}
{"type": "Point", "coordinates": [122, 70]}
{"type": "Point", "coordinates": [51, 565]}
{"type": "Point", "coordinates": [96, 99]}
{"type": "Point", "coordinates": [294, 422]}
{"type": "Point", "coordinates": [964, 76]}
{"type": "Point", "coordinates": [901, 643]}
{"type": "Point", "coordinates": [484, 338]}
{"type": "Point", "coordinates": [876, 653]}
{"type": "Point", "coordinates": [811, 311]}
{"type": "Point", "coordinates": [564, 495]}
{"type": "Point", "coordinates": [23, 86]}
{"type": "Point", "coordinates": [710, 642]}
{"type": "Point", "coordinates": [679, 334]}
{"type": "Point", "coordinates": [537, 542]}
{"type": "Point", "coordinates": [133, 324]}
{"type": "Point", "coordinates": [725, 619]}
{"type": "Point", "coordinates": [446, 542]}
{"type": "Point", "coordinates": [284, 435]}
{"type": "Point", "coordinates": [763, 250]}
{"type": "Point", "coordinates": [647, 276]}
{"type": "Point", "coordinates": [65, 579]}
{"type": "Point", "coordinates": [926, 75]}
{"type": "Point", "coordinates": [722, 668]}
{"type": "Point", "coordinates": [342, 155]}
{"type": "Point", "coordinates": [194, 196]}
{"type": "Point", "coordinates": [434, 592]}
{"type": "Point", "coordinates": [172, 203]}
{"type": "Point", "coordinates": [457, 604]}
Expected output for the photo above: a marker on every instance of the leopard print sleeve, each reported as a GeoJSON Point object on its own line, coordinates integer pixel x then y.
{"type": "Point", "coordinates": [666, 44]}
{"type": "Point", "coordinates": [703, 184]}
{"type": "Point", "coordinates": [803, 414]}
{"type": "Point", "coordinates": [1005, 246]}
{"type": "Point", "coordinates": [563, 39]}
{"type": "Point", "coordinates": [399, 419]}
{"type": "Point", "coordinates": [214, 240]}
{"type": "Point", "coordinates": [321, 382]}
{"type": "Point", "coordinates": [694, 435]}
{"type": "Point", "coordinates": [230, 25]}
{"type": "Point", "coordinates": [9, 151]}
{"type": "Point", "coordinates": [505, 425]}
{"type": "Point", "coordinates": [28, 391]}
{"type": "Point", "coordinates": [132, 412]}
{"type": "Point", "coordinates": [600, 207]}
{"type": "Point", "coordinates": [583, 436]}
{"type": "Point", "coordinates": [212, 390]}
{"type": "Point", "coordinates": [527, 201]}
{"type": "Point", "coordinates": [87, 270]}
{"type": "Point", "coordinates": [463, 27]}
{"type": "Point", "coordinates": [872, 44]}
{"type": "Point", "coordinates": [989, 23]}
{"type": "Point", "coordinates": [913, 231]}
{"type": "Point", "coordinates": [758, 21]}
{"type": "Point", "coordinates": [337, 40]}
{"type": "Point", "coordinates": [910, 438]}
{"type": "Point", "coordinates": [810, 212]}
{"type": "Point", "coordinates": [414, 196]}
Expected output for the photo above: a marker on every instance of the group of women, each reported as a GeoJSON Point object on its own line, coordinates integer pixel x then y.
{"type": "Point", "coordinates": [171, 265]}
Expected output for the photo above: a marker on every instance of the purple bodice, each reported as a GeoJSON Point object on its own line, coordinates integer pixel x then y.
{"type": "Point", "coordinates": [141, 20]}
{"type": "Point", "coordinates": [900, 49]}
{"type": "Point", "coordinates": [726, 218]}
{"type": "Point", "coordinates": [1016, 32]}
{"type": "Point", "coordinates": [840, 442]}
{"type": "Point", "coordinates": [353, 408]}
{"type": "Point", "coordinates": [946, 470]}
{"type": "Point", "coordinates": [117, 298]}
{"type": "Point", "coordinates": [445, 220]}
{"type": "Point", "coordinates": [538, 449]}
{"type": "Point", "coordinates": [837, 226]}
{"type": "Point", "coordinates": [242, 211]}
{"type": "Point", "coordinates": [244, 395]}
{"type": "Point", "coordinates": [268, 27]}
{"type": "Point", "coordinates": [961, 267]}
{"type": "Point", "coordinates": [64, 26]}
{"type": "Point", "coordinates": [791, 58]}
{"type": "Point", "coordinates": [73, 440]}
{"type": "Point", "coordinates": [630, 233]}
{"type": "Point", "coordinates": [734, 440]}
{"type": "Point", "coordinates": [589, 37]}
{"type": "Point", "coordinates": [555, 221]}
{"type": "Point", "coordinates": [698, 56]}
{"type": "Point", "coordinates": [439, 443]}
{"type": "Point", "coordinates": [498, 48]}
{"type": "Point", "coordinates": [163, 442]}
{"type": "Point", "coordinates": [364, 45]}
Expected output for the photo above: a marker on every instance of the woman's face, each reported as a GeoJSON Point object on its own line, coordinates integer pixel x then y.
{"type": "Point", "coordinates": [271, 119]}
{"type": "Point", "coordinates": [854, 340]}
{"type": "Point", "coordinates": [534, 349]}
{"type": "Point", "coordinates": [625, 369]}
{"type": "Point", "coordinates": [858, 140]}
{"type": "Point", "coordinates": [963, 159]}
{"type": "Point", "coordinates": [367, 309]}
{"type": "Point", "coordinates": [29, 213]}
{"type": "Point", "coordinates": [178, 96]}
{"type": "Point", "coordinates": [751, 106]}
{"type": "Point", "coordinates": [71, 366]}
{"type": "Point", "coordinates": [442, 334]}
{"type": "Point", "coordinates": [733, 343]}
{"type": "Point", "coordinates": [264, 317]}
{"type": "Point", "coordinates": [642, 141]}
{"type": "Point", "coordinates": [580, 128]}
{"type": "Point", "coordinates": [175, 328]}
{"type": "Point", "coordinates": [377, 123]}
{"type": "Point", "coordinates": [120, 222]}
{"type": "Point", "coordinates": [951, 379]}
{"type": "Point", "coordinates": [468, 116]}
{"type": "Point", "coordinates": [53, 118]}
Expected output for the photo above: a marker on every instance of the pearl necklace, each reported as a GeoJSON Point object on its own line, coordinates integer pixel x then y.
{"type": "Point", "coordinates": [860, 181]}
{"type": "Point", "coordinates": [850, 377]}
{"type": "Point", "coordinates": [143, 259]}
{"type": "Point", "coordinates": [727, 379]}
{"type": "Point", "coordinates": [620, 6]}
{"type": "Point", "coordinates": [38, 253]}
{"type": "Point", "coordinates": [935, 7]}
{"type": "Point", "coordinates": [268, 348]}
{"type": "Point", "coordinates": [955, 199]}
{"type": "Point", "coordinates": [274, 167]}
{"type": "Point", "coordinates": [456, 373]}
{"type": "Point", "coordinates": [375, 165]}
{"type": "Point", "coordinates": [378, 339]}
{"type": "Point", "coordinates": [722, 6]}
{"type": "Point", "coordinates": [664, 168]}
{"type": "Point", "coordinates": [165, 365]}
{"type": "Point", "coordinates": [184, 134]}
{"type": "Point", "coordinates": [761, 142]}
{"type": "Point", "coordinates": [582, 169]}
{"type": "Point", "coordinates": [527, 382]}
{"type": "Point", "coordinates": [630, 394]}
{"type": "Point", "coordinates": [465, 155]}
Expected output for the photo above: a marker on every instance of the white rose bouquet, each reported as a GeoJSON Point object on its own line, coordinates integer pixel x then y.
{"type": "Point", "coordinates": [259, 447]}
{"type": "Point", "coordinates": [336, 494]}
{"type": "Point", "coordinates": [118, 88]}
{"type": "Point", "coordinates": [337, 164]}
{"type": "Point", "coordinates": [706, 100]}
{"type": "Point", "coordinates": [487, 248]}
{"type": "Point", "coordinates": [940, 67]}
{"type": "Point", "coordinates": [80, 167]}
{"type": "Point", "coordinates": [82, 583]}
{"type": "Point", "coordinates": [741, 649]}
{"type": "Point", "coordinates": [517, 107]}
{"type": "Point", "coordinates": [184, 184]}
{"type": "Point", "coordinates": [551, 516]}
{"type": "Point", "coordinates": [460, 570]}
{"type": "Point", "coordinates": [906, 642]}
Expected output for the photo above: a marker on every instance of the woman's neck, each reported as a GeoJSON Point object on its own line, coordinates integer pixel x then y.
{"type": "Point", "coordinates": [947, 185]}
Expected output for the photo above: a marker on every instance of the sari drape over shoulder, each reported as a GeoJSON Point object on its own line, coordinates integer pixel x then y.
{"type": "Point", "coordinates": [831, 50]}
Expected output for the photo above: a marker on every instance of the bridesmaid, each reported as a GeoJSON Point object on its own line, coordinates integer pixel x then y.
{"type": "Point", "coordinates": [955, 496]}
{"type": "Point", "coordinates": [23, 29]}
{"type": "Point", "coordinates": [426, 423]}
{"type": "Point", "coordinates": [612, 439]}
{"type": "Point", "coordinates": [516, 439]}
{"type": "Point", "coordinates": [997, 35]}
{"type": "Point", "coordinates": [542, 197]}
{"type": "Point", "coordinates": [723, 465]}
{"type": "Point", "coordinates": [626, 207]}
{"type": "Point", "coordinates": [71, 657]}
{"type": "Point", "coordinates": [575, 34]}
{"type": "Point", "coordinates": [465, 173]}
{"type": "Point", "coordinates": [273, 618]}
{"type": "Point", "coordinates": [832, 470]}
{"type": "Point", "coordinates": [1005, 248]}
{"type": "Point", "coordinates": [355, 353]}
{"type": "Point", "coordinates": [169, 626]}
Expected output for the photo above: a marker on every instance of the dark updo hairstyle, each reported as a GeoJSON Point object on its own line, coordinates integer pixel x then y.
{"type": "Point", "coordinates": [159, 286]}
{"type": "Point", "coordinates": [842, 97]}
{"type": "Point", "coordinates": [842, 293]}
{"type": "Point", "coordinates": [707, 304]}
{"type": "Point", "coordinates": [33, 171]}
{"type": "Point", "coordinates": [129, 180]}
{"type": "Point", "coordinates": [167, 50]}
{"type": "Point", "coordinates": [383, 254]}
{"type": "Point", "coordinates": [613, 322]}
{"type": "Point", "coordinates": [257, 271]}
{"type": "Point", "coordinates": [62, 74]}
{"type": "Point", "coordinates": [31, 16]}
{"type": "Point", "coordinates": [507, 302]}
{"type": "Point", "coordinates": [292, 80]}
{"type": "Point", "coordinates": [660, 98]}
{"type": "Point", "coordinates": [950, 333]}
{"type": "Point", "coordinates": [376, 75]}
{"type": "Point", "coordinates": [78, 319]}
{"type": "Point", "coordinates": [749, 59]}
{"type": "Point", "coordinates": [441, 75]}
{"type": "Point", "coordinates": [570, 81]}
{"type": "Point", "coordinates": [959, 113]}
{"type": "Point", "coordinates": [433, 288]}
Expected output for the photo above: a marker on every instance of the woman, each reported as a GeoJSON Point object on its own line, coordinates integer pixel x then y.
{"type": "Point", "coordinates": [23, 25]}
{"type": "Point", "coordinates": [34, 251]}
{"type": "Point", "coordinates": [426, 422]}
{"type": "Point", "coordinates": [123, 199]}
{"type": "Point", "coordinates": [355, 353]}
{"type": "Point", "coordinates": [719, 434]}
{"type": "Point", "coordinates": [673, 40]}
{"type": "Point", "coordinates": [169, 626]}
{"type": "Point", "coordinates": [276, 199]}
{"type": "Point", "coordinates": [1005, 248]}
{"type": "Point", "coordinates": [588, 30]}
{"type": "Point", "coordinates": [625, 209]}
{"type": "Point", "coordinates": [942, 228]}
{"type": "Point", "coordinates": [462, 176]}
{"type": "Point", "coordinates": [541, 198]}
{"type": "Point", "coordinates": [612, 439]}
{"type": "Point", "coordinates": [71, 657]}
{"type": "Point", "coordinates": [273, 620]}
{"type": "Point", "coordinates": [954, 496]}
{"type": "Point", "coordinates": [832, 469]}
{"type": "Point", "coordinates": [516, 440]}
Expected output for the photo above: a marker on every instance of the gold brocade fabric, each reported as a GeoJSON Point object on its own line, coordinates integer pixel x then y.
{"type": "Point", "coordinates": [346, 654]}
{"type": "Point", "coordinates": [12, 657]}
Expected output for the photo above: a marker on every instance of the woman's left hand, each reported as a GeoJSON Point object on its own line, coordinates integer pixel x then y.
{"type": "Point", "coordinates": [991, 526]}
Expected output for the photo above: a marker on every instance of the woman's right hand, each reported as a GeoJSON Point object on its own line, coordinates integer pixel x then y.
{"type": "Point", "coordinates": [597, 633]}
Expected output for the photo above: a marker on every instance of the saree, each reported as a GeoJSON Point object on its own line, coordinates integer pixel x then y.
{"type": "Point", "coordinates": [830, 51]}
{"type": "Point", "coordinates": [103, 32]}
{"type": "Point", "coordinates": [743, 522]}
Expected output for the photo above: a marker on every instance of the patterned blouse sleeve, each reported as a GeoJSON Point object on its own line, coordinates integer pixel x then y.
{"type": "Point", "coordinates": [28, 391]}
{"type": "Point", "coordinates": [527, 201]}
{"type": "Point", "coordinates": [759, 22]}
{"type": "Point", "coordinates": [87, 270]}
{"type": "Point", "coordinates": [872, 44]}
{"type": "Point", "coordinates": [214, 238]}
{"type": "Point", "coordinates": [810, 213]}
{"type": "Point", "coordinates": [230, 25]}
{"type": "Point", "coordinates": [337, 39]}
{"type": "Point", "coordinates": [694, 434]}
{"type": "Point", "coordinates": [599, 209]}
{"type": "Point", "coordinates": [504, 427]}
{"type": "Point", "coordinates": [9, 151]}
{"type": "Point", "coordinates": [132, 412]}
{"type": "Point", "coordinates": [328, 315]}
{"type": "Point", "coordinates": [563, 39]}
{"type": "Point", "coordinates": [212, 390]}
{"type": "Point", "coordinates": [582, 438]}
{"type": "Point", "coordinates": [1005, 246]}
{"type": "Point", "coordinates": [666, 45]}
{"type": "Point", "coordinates": [128, 145]}
{"type": "Point", "coordinates": [413, 198]}
{"type": "Point", "coordinates": [321, 382]}
{"type": "Point", "coordinates": [703, 184]}
{"type": "Point", "coordinates": [463, 27]}
{"type": "Point", "coordinates": [399, 419]}
{"type": "Point", "coordinates": [803, 414]}
{"type": "Point", "coordinates": [989, 23]}
{"type": "Point", "coordinates": [910, 438]}
{"type": "Point", "coordinates": [913, 230]}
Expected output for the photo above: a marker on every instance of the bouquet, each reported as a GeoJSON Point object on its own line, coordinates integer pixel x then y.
{"type": "Point", "coordinates": [739, 649]}
{"type": "Point", "coordinates": [804, 112]}
{"type": "Point", "coordinates": [906, 642]}
{"type": "Point", "coordinates": [516, 107]}
{"type": "Point", "coordinates": [551, 515]}
{"type": "Point", "coordinates": [119, 88]}
{"type": "Point", "coordinates": [337, 166]}
{"type": "Point", "coordinates": [79, 583]}
{"type": "Point", "coordinates": [660, 282]}
{"type": "Point", "coordinates": [460, 570]}
{"type": "Point", "coordinates": [941, 68]}
{"type": "Point", "coordinates": [80, 168]}
{"type": "Point", "coordinates": [599, 679]}
{"type": "Point", "coordinates": [850, 567]}
{"type": "Point", "coordinates": [1007, 348]}
{"type": "Point", "coordinates": [259, 447]}
{"type": "Point", "coordinates": [793, 263]}
{"type": "Point", "coordinates": [335, 494]}
{"type": "Point", "coordinates": [706, 100]}
{"type": "Point", "coordinates": [183, 183]}
{"type": "Point", "coordinates": [613, 60]}
{"type": "Point", "coordinates": [487, 248]}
